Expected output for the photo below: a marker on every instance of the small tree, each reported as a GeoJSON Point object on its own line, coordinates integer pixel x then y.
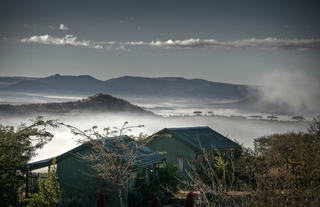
{"type": "Point", "coordinates": [17, 146]}
{"type": "Point", "coordinates": [49, 190]}
{"type": "Point", "coordinates": [215, 180]}
{"type": "Point", "coordinates": [113, 158]}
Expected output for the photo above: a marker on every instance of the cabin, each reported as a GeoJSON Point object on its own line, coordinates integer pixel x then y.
{"type": "Point", "coordinates": [183, 145]}
{"type": "Point", "coordinates": [79, 187]}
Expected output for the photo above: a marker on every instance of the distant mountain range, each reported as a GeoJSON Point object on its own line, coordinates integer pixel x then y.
{"type": "Point", "coordinates": [128, 86]}
{"type": "Point", "coordinates": [97, 103]}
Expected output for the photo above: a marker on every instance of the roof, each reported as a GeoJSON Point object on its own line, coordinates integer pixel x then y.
{"type": "Point", "coordinates": [202, 136]}
{"type": "Point", "coordinates": [145, 155]}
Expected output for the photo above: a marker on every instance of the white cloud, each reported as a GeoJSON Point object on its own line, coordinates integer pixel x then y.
{"type": "Point", "coordinates": [63, 27]}
{"type": "Point", "coordinates": [60, 27]}
{"type": "Point", "coordinates": [267, 43]}
{"type": "Point", "coordinates": [68, 40]}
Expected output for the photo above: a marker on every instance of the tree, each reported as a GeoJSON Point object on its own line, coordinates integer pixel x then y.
{"type": "Point", "coordinates": [17, 146]}
{"type": "Point", "coordinates": [164, 183]}
{"type": "Point", "coordinates": [49, 190]}
{"type": "Point", "coordinates": [291, 161]}
{"type": "Point", "coordinates": [213, 177]}
{"type": "Point", "coordinates": [112, 159]}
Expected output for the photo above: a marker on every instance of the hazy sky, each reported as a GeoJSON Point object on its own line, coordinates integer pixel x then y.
{"type": "Point", "coordinates": [219, 40]}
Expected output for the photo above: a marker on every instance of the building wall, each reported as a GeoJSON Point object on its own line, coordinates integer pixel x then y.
{"type": "Point", "coordinates": [169, 146]}
{"type": "Point", "coordinates": [78, 183]}
{"type": "Point", "coordinates": [80, 186]}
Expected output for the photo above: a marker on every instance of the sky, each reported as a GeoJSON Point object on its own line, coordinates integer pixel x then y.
{"type": "Point", "coordinates": [218, 40]}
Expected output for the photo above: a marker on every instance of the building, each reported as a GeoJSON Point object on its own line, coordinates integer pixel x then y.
{"type": "Point", "coordinates": [183, 145]}
{"type": "Point", "coordinates": [76, 178]}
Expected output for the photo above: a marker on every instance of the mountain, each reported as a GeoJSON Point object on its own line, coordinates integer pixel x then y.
{"type": "Point", "coordinates": [97, 103]}
{"type": "Point", "coordinates": [56, 84]}
{"type": "Point", "coordinates": [130, 86]}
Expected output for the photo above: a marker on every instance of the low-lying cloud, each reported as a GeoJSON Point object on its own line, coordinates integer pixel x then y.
{"type": "Point", "coordinates": [244, 131]}
{"type": "Point", "coordinates": [253, 43]}
{"type": "Point", "coordinates": [267, 43]}
{"type": "Point", "coordinates": [67, 40]}
{"type": "Point", "coordinates": [296, 92]}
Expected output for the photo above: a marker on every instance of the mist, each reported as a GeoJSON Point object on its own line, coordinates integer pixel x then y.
{"type": "Point", "coordinates": [293, 92]}
{"type": "Point", "coordinates": [241, 130]}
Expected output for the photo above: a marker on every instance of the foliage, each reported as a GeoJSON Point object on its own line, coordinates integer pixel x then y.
{"type": "Point", "coordinates": [213, 177]}
{"type": "Point", "coordinates": [284, 170]}
{"type": "Point", "coordinates": [49, 190]}
{"type": "Point", "coordinates": [164, 183]}
{"type": "Point", "coordinates": [18, 145]}
{"type": "Point", "coordinates": [292, 168]}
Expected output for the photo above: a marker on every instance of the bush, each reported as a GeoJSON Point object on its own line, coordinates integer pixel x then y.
{"type": "Point", "coordinates": [49, 191]}
{"type": "Point", "coordinates": [163, 184]}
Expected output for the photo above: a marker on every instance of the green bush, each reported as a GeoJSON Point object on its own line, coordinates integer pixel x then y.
{"type": "Point", "coordinates": [163, 184]}
{"type": "Point", "coordinates": [49, 191]}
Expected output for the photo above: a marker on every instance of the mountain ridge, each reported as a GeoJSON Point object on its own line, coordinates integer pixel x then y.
{"type": "Point", "coordinates": [128, 86]}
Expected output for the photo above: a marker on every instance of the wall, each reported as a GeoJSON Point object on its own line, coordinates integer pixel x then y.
{"type": "Point", "coordinates": [169, 146]}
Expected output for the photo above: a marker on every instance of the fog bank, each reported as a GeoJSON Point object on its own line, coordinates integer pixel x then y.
{"type": "Point", "coordinates": [241, 130]}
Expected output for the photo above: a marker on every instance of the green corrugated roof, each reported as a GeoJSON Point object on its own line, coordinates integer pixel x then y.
{"type": "Point", "coordinates": [145, 155]}
{"type": "Point", "coordinates": [204, 136]}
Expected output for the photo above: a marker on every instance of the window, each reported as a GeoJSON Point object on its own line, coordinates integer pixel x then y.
{"type": "Point", "coordinates": [180, 162]}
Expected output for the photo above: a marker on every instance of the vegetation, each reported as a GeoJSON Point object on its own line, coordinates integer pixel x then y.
{"type": "Point", "coordinates": [284, 170]}
{"type": "Point", "coordinates": [18, 145]}
{"type": "Point", "coordinates": [291, 171]}
{"type": "Point", "coordinates": [49, 190]}
{"type": "Point", "coordinates": [164, 183]}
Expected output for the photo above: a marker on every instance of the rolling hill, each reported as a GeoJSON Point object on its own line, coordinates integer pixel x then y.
{"type": "Point", "coordinates": [128, 86]}
{"type": "Point", "coordinates": [97, 103]}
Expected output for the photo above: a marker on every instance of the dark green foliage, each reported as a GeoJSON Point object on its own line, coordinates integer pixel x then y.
{"type": "Point", "coordinates": [18, 146]}
{"type": "Point", "coordinates": [163, 184]}
{"type": "Point", "coordinates": [168, 179]}
{"type": "Point", "coordinates": [49, 190]}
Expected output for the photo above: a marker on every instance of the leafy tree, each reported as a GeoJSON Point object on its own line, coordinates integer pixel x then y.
{"type": "Point", "coordinates": [17, 146]}
{"type": "Point", "coordinates": [49, 190]}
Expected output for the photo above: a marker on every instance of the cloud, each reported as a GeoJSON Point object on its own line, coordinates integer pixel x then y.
{"type": "Point", "coordinates": [267, 43]}
{"type": "Point", "coordinates": [297, 92]}
{"type": "Point", "coordinates": [63, 27]}
{"type": "Point", "coordinates": [67, 40]}
{"type": "Point", "coordinates": [60, 27]}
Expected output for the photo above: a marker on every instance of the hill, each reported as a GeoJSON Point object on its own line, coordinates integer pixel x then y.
{"type": "Point", "coordinates": [97, 103]}
{"type": "Point", "coordinates": [128, 86]}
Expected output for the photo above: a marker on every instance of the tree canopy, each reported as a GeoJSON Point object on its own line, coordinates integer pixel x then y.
{"type": "Point", "coordinates": [18, 146]}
